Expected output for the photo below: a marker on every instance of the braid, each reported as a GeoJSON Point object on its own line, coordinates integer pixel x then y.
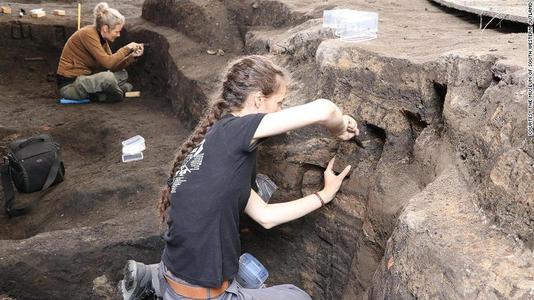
{"type": "Point", "coordinates": [245, 76]}
{"type": "Point", "coordinates": [214, 113]}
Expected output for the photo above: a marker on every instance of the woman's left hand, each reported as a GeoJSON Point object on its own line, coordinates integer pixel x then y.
{"type": "Point", "coordinates": [139, 51]}
{"type": "Point", "coordinates": [332, 182]}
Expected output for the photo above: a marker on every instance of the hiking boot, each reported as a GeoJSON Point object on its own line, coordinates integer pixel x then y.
{"type": "Point", "coordinates": [115, 96]}
{"type": "Point", "coordinates": [137, 282]}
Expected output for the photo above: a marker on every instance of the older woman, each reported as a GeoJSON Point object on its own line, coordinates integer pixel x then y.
{"type": "Point", "coordinates": [87, 67]}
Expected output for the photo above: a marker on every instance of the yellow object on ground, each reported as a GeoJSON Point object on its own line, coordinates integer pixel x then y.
{"type": "Point", "coordinates": [79, 14]}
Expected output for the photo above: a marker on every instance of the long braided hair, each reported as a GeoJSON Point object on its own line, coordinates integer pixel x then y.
{"type": "Point", "coordinates": [245, 76]}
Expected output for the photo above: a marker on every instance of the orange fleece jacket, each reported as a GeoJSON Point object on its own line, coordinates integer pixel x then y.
{"type": "Point", "coordinates": [85, 54]}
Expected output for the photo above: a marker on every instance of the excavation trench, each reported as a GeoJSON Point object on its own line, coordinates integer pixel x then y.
{"type": "Point", "coordinates": [75, 241]}
{"type": "Point", "coordinates": [99, 187]}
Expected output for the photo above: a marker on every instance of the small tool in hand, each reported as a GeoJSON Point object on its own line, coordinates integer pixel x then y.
{"type": "Point", "coordinates": [355, 137]}
{"type": "Point", "coordinates": [358, 142]}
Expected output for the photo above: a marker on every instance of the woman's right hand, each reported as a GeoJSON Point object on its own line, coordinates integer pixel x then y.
{"type": "Point", "coordinates": [332, 182]}
{"type": "Point", "coordinates": [350, 128]}
{"type": "Point", "coordinates": [133, 46]}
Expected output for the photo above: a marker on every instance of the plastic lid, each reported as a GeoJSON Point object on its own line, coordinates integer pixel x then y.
{"type": "Point", "coordinates": [352, 25]}
{"type": "Point", "coordinates": [133, 140]}
{"type": "Point", "coordinates": [133, 145]}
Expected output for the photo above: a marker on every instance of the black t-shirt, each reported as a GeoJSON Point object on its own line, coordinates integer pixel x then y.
{"type": "Point", "coordinates": [209, 192]}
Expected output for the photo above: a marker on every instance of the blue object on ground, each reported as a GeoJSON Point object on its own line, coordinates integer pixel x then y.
{"type": "Point", "coordinates": [73, 101]}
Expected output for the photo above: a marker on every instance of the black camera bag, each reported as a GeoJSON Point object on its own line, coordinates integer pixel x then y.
{"type": "Point", "coordinates": [32, 164]}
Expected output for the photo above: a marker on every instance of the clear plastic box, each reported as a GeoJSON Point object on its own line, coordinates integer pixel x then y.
{"type": "Point", "coordinates": [132, 157]}
{"type": "Point", "coordinates": [352, 25]}
{"type": "Point", "coordinates": [252, 274]}
{"type": "Point", "coordinates": [36, 10]}
{"type": "Point", "coordinates": [332, 17]}
{"type": "Point", "coordinates": [133, 145]}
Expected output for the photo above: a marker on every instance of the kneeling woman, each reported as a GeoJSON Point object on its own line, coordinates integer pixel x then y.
{"type": "Point", "coordinates": [87, 67]}
{"type": "Point", "coordinates": [210, 186]}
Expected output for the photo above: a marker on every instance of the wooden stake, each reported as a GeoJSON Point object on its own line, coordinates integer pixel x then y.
{"type": "Point", "coordinates": [79, 14]}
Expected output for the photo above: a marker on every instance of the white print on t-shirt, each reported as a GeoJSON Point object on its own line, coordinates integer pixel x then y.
{"type": "Point", "coordinates": [192, 162]}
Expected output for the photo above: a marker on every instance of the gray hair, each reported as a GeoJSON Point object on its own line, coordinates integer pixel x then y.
{"type": "Point", "coordinates": [104, 15]}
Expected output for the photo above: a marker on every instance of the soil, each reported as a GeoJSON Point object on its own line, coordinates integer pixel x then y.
{"type": "Point", "coordinates": [98, 184]}
{"type": "Point", "coordinates": [438, 100]}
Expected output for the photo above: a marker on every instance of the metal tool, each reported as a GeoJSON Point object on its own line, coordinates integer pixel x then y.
{"type": "Point", "coordinates": [355, 138]}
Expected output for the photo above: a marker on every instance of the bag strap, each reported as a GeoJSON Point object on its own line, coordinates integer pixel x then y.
{"type": "Point", "coordinates": [53, 172]}
{"type": "Point", "coordinates": [10, 195]}
{"type": "Point", "coordinates": [32, 140]}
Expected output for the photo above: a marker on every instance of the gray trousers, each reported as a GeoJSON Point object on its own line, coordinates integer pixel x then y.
{"type": "Point", "coordinates": [104, 86]}
{"type": "Point", "coordinates": [234, 291]}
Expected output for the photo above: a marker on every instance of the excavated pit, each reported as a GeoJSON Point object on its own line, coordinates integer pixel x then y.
{"type": "Point", "coordinates": [98, 185]}
{"type": "Point", "coordinates": [438, 198]}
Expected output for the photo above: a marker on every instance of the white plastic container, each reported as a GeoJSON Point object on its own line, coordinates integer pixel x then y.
{"type": "Point", "coordinates": [332, 17]}
{"type": "Point", "coordinates": [352, 25]}
{"type": "Point", "coordinates": [132, 157]}
{"type": "Point", "coordinates": [251, 274]}
{"type": "Point", "coordinates": [36, 10]}
{"type": "Point", "coordinates": [133, 145]}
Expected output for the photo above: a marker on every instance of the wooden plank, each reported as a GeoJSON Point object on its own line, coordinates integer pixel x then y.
{"type": "Point", "coordinates": [132, 94]}
{"type": "Point", "coordinates": [39, 14]}
{"type": "Point", "coordinates": [59, 12]}
{"type": "Point", "coordinates": [6, 9]}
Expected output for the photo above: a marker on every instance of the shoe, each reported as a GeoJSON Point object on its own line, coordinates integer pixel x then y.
{"type": "Point", "coordinates": [126, 87]}
{"type": "Point", "coordinates": [115, 96]}
{"type": "Point", "coordinates": [137, 282]}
